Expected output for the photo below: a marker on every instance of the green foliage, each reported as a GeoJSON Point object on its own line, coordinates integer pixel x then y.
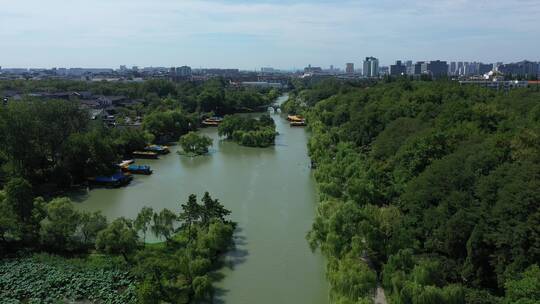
{"type": "Point", "coordinates": [20, 198]}
{"type": "Point", "coordinates": [54, 144]}
{"type": "Point", "coordinates": [89, 154]}
{"type": "Point", "coordinates": [525, 289]}
{"type": "Point", "coordinates": [129, 140]}
{"type": "Point", "coordinates": [351, 278]}
{"type": "Point", "coordinates": [90, 225]}
{"type": "Point", "coordinates": [60, 225]}
{"type": "Point", "coordinates": [202, 287]}
{"type": "Point", "coordinates": [194, 144]}
{"type": "Point", "coordinates": [49, 279]}
{"type": "Point", "coordinates": [118, 238]}
{"type": "Point", "coordinates": [435, 183]}
{"type": "Point", "coordinates": [249, 131]}
{"type": "Point", "coordinates": [33, 134]}
{"type": "Point", "coordinates": [8, 220]}
{"type": "Point", "coordinates": [22, 213]}
{"type": "Point", "coordinates": [177, 271]}
{"type": "Point", "coordinates": [163, 225]}
{"type": "Point", "coordinates": [142, 222]}
{"type": "Point", "coordinates": [212, 209]}
{"type": "Point", "coordinates": [170, 124]}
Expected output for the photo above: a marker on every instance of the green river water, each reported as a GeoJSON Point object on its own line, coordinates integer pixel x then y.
{"type": "Point", "coordinates": [271, 193]}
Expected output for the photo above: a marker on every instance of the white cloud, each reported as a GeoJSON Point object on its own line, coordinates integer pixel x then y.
{"type": "Point", "coordinates": [150, 31]}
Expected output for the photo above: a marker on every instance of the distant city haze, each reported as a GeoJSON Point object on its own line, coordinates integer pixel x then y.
{"type": "Point", "coordinates": [275, 33]}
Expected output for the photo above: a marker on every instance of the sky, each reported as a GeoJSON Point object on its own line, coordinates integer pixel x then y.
{"type": "Point", "coordinates": [250, 34]}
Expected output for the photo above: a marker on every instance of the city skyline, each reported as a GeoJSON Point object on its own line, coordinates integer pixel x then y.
{"type": "Point", "coordinates": [249, 35]}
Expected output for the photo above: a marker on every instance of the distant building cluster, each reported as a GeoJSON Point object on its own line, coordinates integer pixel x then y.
{"type": "Point", "coordinates": [470, 68]}
{"type": "Point", "coordinates": [524, 68]}
{"type": "Point", "coordinates": [271, 77]}
{"type": "Point", "coordinates": [180, 73]}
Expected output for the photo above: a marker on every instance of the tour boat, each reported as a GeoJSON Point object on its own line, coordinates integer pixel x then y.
{"type": "Point", "coordinates": [295, 118]}
{"type": "Point", "coordinates": [212, 121]}
{"type": "Point", "coordinates": [138, 169]}
{"type": "Point", "coordinates": [298, 123]}
{"type": "Point", "coordinates": [145, 154]}
{"type": "Point", "coordinates": [116, 180]}
{"type": "Point", "coordinates": [158, 149]}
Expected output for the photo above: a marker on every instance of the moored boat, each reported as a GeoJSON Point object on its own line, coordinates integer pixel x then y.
{"type": "Point", "coordinates": [298, 123]}
{"type": "Point", "coordinates": [126, 163]}
{"type": "Point", "coordinates": [145, 154]}
{"type": "Point", "coordinates": [212, 121]}
{"type": "Point", "coordinates": [138, 169]}
{"type": "Point", "coordinates": [118, 179]}
{"type": "Point", "coordinates": [295, 118]}
{"type": "Point", "coordinates": [158, 149]}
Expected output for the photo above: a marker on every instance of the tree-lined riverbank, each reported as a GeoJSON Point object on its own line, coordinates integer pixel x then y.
{"type": "Point", "coordinates": [272, 196]}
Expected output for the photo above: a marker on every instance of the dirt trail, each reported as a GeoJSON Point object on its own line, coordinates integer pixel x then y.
{"type": "Point", "coordinates": [380, 298]}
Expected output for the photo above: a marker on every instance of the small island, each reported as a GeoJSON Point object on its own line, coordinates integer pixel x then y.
{"type": "Point", "coordinates": [248, 131]}
{"type": "Point", "coordinates": [194, 145]}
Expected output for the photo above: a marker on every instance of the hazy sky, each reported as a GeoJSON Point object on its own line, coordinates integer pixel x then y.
{"type": "Point", "coordinates": [252, 33]}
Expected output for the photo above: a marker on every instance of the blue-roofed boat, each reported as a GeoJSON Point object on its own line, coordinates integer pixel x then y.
{"type": "Point", "coordinates": [116, 180]}
{"type": "Point", "coordinates": [138, 169]}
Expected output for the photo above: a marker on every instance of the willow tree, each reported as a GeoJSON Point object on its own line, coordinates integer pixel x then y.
{"type": "Point", "coordinates": [194, 144]}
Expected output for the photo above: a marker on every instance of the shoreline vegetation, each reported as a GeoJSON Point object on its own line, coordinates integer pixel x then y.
{"type": "Point", "coordinates": [48, 146]}
{"type": "Point", "coordinates": [247, 131]}
{"type": "Point", "coordinates": [427, 188]}
{"type": "Point", "coordinates": [56, 144]}
{"type": "Point", "coordinates": [79, 256]}
{"type": "Point", "coordinates": [194, 144]}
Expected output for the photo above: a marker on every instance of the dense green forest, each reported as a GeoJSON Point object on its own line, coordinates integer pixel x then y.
{"type": "Point", "coordinates": [214, 95]}
{"type": "Point", "coordinates": [431, 188]}
{"type": "Point", "coordinates": [54, 143]}
{"type": "Point", "coordinates": [249, 131]}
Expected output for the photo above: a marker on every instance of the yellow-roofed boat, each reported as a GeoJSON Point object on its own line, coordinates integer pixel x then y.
{"type": "Point", "coordinates": [295, 118]}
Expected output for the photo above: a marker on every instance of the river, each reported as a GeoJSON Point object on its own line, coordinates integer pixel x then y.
{"type": "Point", "coordinates": [272, 196]}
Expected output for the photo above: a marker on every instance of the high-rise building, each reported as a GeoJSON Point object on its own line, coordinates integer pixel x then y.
{"type": "Point", "coordinates": [471, 69]}
{"type": "Point", "coordinates": [409, 67]}
{"type": "Point", "coordinates": [349, 69]}
{"type": "Point", "coordinates": [398, 69]}
{"type": "Point", "coordinates": [484, 68]}
{"type": "Point", "coordinates": [184, 71]}
{"type": "Point", "coordinates": [437, 68]}
{"type": "Point", "coordinates": [417, 68]}
{"type": "Point", "coordinates": [180, 73]}
{"type": "Point", "coordinates": [312, 70]}
{"type": "Point", "coordinates": [424, 68]}
{"type": "Point", "coordinates": [466, 68]}
{"type": "Point", "coordinates": [371, 67]}
{"type": "Point", "coordinates": [453, 68]}
{"type": "Point", "coordinates": [524, 69]}
{"type": "Point", "coordinates": [460, 70]}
